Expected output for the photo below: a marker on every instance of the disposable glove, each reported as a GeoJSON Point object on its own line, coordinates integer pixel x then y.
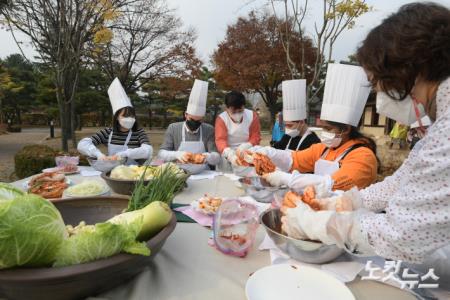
{"type": "Point", "coordinates": [281, 158]}
{"type": "Point", "coordinates": [212, 158]}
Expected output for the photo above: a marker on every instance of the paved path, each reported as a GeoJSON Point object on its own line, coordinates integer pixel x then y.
{"type": "Point", "coordinates": [13, 142]}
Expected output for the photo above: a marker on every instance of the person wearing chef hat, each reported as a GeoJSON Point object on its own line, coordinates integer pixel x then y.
{"type": "Point", "coordinates": [297, 135]}
{"type": "Point", "coordinates": [191, 135]}
{"type": "Point", "coordinates": [125, 138]}
{"type": "Point", "coordinates": [344, 158]}
{"type": "Point", "coordinates": [407, 60]}
{"type": "Point", "coordinates": [237, 128]}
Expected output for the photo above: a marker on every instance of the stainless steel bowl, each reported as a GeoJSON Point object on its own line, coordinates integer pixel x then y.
{"type": "Point", "coordinates": [260, 189]}
{"type": "Point", "coordinates": [105, 165]}
{"type": "Point", "coordinates": [305, 251]}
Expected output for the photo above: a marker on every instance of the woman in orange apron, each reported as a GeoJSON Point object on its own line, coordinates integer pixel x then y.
{"type": "Point", "coordinates": [344, 158]}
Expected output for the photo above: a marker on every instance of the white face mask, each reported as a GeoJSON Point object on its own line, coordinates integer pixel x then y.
{"type": "Point", "coordinates": [292, 132]}
{"type": "Point", "coordinates": [127, 122]}
{"type": "Point", "coordinates": [237, 117]}
{"type": "Point", "coordinates": [399, 110]}
{"type": "Point", "coordinates": [329, 139]}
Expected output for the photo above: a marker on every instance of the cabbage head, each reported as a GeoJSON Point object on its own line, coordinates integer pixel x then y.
{"type": "Point", "coordinates": [9, 192]}
{"type": "Point", "coordinates": [91, 242]}
{"type": "Point", "coordinates": [31, 232]}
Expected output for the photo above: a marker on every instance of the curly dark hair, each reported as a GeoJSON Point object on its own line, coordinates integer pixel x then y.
{"type": "Point", "coordinates": [415, 41]}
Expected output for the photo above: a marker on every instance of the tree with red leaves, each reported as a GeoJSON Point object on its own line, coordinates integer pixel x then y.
{"type": "Point", "coordinates": [252, 57]}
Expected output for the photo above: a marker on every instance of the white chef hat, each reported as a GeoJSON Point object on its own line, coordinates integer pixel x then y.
{"type": "Point", "coordinates": [294, 100]}
{"type": "Point", "coordinates": [345, 95]}
{"type": "Point", "coordinates": [426, 121]}
{"type": "Point", "coordinates": [197, 98]}
{"type": "Point", "coordinates": [117, 96]}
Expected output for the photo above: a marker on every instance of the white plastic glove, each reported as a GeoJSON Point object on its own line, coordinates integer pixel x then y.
{"type": "Point", "coordinates": [145, 151]}
{"type": "Point", "coordinates": [281, 158]}
{"type": "Point", "coordinates": [348, 201]}
{"type": "Point", "coordinates": [322, 184]}
{"type": "Point", "coordinates": [278, 178]}
{"type": "Point", "coordinates": [230, 155]}
{"type": "Point", "coordinates": [122, 154]}
{"type": "Point", "coordinates": [329, 227]}
{"type": "Point", "coordinates": [212, 158]}
{"type": "Point", "coordinates": [291, 226]}
{"type": "Point", "coordinates": [167, 155]}
{"type": "Point", "coordinates": [86, 147]}
{"type": "Point", "coordinates": [227, 152]}
{"type": "Point", "coordinates": [311, 223]}
{"type": "Point", "coordinates": [244, 146]}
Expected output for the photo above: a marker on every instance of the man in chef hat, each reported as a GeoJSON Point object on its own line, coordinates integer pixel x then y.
{"type": "Point", "coordinates": [124, 138]}
{"type": "Point", "coordinates": [345, 158]}
{"type": "Point", "coordinates": [192, 135]}
{"type": "Point", "coordinates": [297, 135]}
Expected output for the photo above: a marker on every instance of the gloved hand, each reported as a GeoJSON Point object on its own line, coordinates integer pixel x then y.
{"type": "Point", "coordinates": [278, 178]}
{"type": "Point", "coordinates": [122, 154]}
{"type": "Point", "coordinates": [329, 227]}
{"type": "Point", "coordinates": [244, 146]}
{"type": "Point", "coordinates": [230, 155]}
{"type": "Point", "coordinates": [181, 156]}
{"type": "Point", "coordinates": [145, 151]}
{"type": "Point", "coordinates": [291, 226]}
{"type": "Point", "coordinates": [212, 158]}
{"type": "Point", "coordinates": [227, 152]}
{"type": "Point", "coordinates": [322, 184]}
{"type": "Point", "coordinates": [281, 158]}
{"type": "Point", "coordinates": [87, 147]}
{"type": "Point", "coordinates": [348, 201]}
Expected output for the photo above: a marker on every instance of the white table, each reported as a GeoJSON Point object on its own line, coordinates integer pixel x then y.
{"type": "Point", "coordinates": [188, 268]}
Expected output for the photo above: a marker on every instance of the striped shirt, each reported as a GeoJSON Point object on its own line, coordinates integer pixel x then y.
{"type": "Point", "coordinates": [118, 138]}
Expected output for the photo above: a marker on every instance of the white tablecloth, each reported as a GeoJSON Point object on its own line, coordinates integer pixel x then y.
{"type": "Point", "coordinates": [188, 268]}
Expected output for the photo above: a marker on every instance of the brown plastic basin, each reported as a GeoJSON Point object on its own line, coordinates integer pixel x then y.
{"type": "Point", "coordinates": [89, 279]}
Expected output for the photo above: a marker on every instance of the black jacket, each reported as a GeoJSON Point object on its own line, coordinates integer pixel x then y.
{"type": "Point", "coordinates": [309, 140]}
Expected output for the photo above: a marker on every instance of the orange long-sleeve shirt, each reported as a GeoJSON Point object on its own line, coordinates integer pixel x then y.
{"type": "Point", "coordinates": [221, 133]}
{"type": "Point", "coordinates": [358, 168]}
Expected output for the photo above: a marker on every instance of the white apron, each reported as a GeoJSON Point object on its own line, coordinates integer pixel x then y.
{"type": "Point", "coordinates": [326, 167]}
{"type": "Point", "coordinates": [237, 134]}
{"type": "Point", "coordinates": [114, 149]}
{"type": "Point", "coordinates": [196, 147]}
{"type": "Point", "coordinates": [305, 135]}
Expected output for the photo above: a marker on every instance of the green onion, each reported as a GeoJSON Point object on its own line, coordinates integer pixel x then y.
{"type": "Point", "coordinates": [163, 187]}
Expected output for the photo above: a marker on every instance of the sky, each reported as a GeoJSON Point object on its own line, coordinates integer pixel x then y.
{"type": "Point", "coordinates": [210, 19]}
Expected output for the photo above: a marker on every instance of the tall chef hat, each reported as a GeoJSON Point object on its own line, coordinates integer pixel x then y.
{"type": "Point", "coordinates": [345, 95]}
{"type": "Point", "coordinates": [117, 96]}
{"type": "Point", "coordinates": [294, 100]}
{"type": "Point", "coordinates": [197, 98]}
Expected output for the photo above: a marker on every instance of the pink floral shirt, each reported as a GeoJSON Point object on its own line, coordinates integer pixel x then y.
{"type": "Point", "coordinates": [416, 197]}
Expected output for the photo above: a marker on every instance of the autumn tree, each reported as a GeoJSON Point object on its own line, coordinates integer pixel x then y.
{"type": "Point", "coordinates": [252, 57]}
{"type": "Point", "coordinates": [147, 43]}
{"type": "Point", "coordinates": [216, 94]}
{"type": "Point", "coordinates": [336, 17]}
{"type": "Point", "coordinates": [59, 31]}
{"type": "Point", "coordinates": [18, 94]}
